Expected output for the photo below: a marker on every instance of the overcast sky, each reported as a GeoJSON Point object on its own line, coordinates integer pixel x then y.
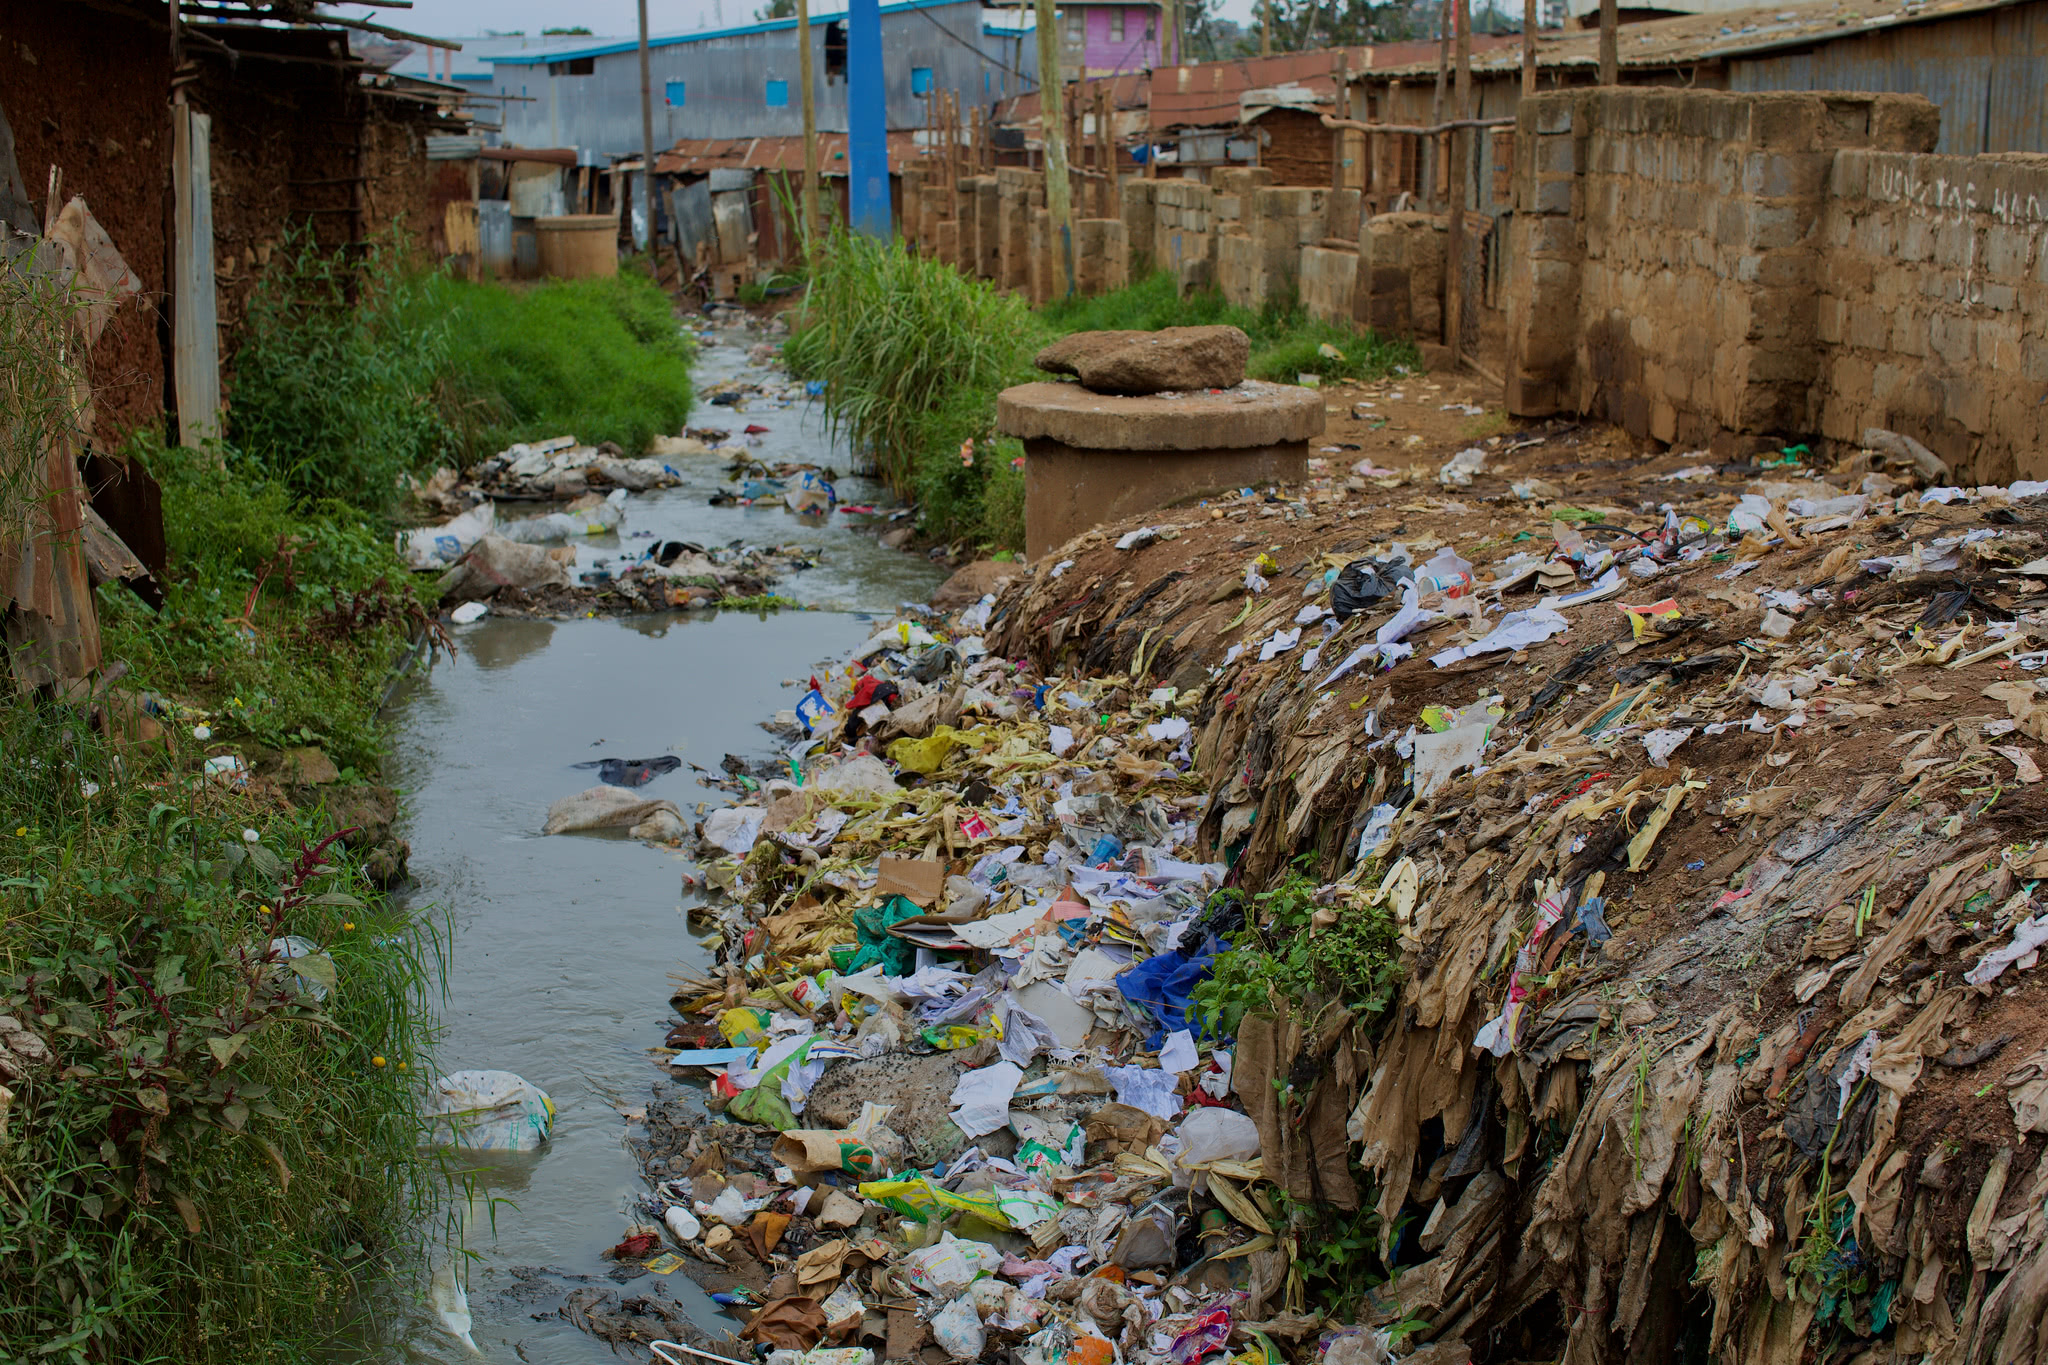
{"type": "Point", "coordinates": [456, 18]}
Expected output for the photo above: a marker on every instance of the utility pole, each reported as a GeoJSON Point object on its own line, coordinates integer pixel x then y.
{"type": "Point", "coordinates": [1528, 47]}
{"type": "Point", "coordinates": [867, 124]}
{"type": "Point", "coordinates": [1610, 42]}
{"type": "Point", "coordinates": [1052, 119]}
{"type": "Point", "coordinates": [647, 144]}
{"type": "Point", "coordinates": [1461, 142]}
{"type": "Point", "coordinates": [803, 66]}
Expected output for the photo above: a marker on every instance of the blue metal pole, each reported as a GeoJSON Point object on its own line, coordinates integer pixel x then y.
{"type": "Point", "coordinates": [867, 120]}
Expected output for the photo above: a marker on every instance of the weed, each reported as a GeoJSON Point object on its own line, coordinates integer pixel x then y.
{"type": "Point", "coordinates": [600, 359]}
{"type": "Point", "coordinates": [210, 1165]}
{"type": "Point", "coordinates": [1283, 960]}
{"type": "Point", "coordinates": [40, 388]}
{"type": "Point", "coordinates": [912, 353]}
{"type": "Point", "coordinates": [333, 384]}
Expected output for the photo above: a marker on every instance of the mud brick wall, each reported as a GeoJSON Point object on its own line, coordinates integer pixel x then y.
{"type": "Point", "coordinates": [1933, 309]}
{"type": "Point", "coordinates": [1138, 211]}
{"type": "Point", "coordinates": [1667, 253]}
{"type": "Point", "coordinates": [1017, 191]}
{"type": "Point", "coordinates": [1400, 285]}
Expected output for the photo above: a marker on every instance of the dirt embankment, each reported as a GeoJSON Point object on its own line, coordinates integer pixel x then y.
{"type": "Point", "coordinates": [1710, 882]}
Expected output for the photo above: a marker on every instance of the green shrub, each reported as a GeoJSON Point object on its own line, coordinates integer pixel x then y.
{"type": "Point", "coordinates": [210, 1168]}
{"type": "Point", "coordinates": [599, 359]}
{"type": "Point", "coordinates": [333, 387]}
{"type": "Point", "coordinates": [1282, 960]}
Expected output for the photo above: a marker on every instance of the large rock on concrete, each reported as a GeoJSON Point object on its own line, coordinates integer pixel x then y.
{"type": "Point", "coordinates": [1172, 360]}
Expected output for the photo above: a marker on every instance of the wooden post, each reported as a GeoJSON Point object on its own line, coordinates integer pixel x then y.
{"type": "Point", "coordinates": [646, 138]}
{"type": "Point", "coordinates": [804, 74]}
{"type": "Point", "coordinates": [1528, 47]}
{"type": "Point", "coordinates": [1105, 156]}
{"type": "Point", "coordinates": [1341, 78]}
{"type": "Point", "coordinates": [1460, 145]}
{"type": "Point", "coordinates": [1265, 28]}
{"type": "Point", "coordinates": [1059, 202]}
{"type": "Point", "coordinates": [1443, 58]}
{"type": "Point", "coordinates": [1610, 42]}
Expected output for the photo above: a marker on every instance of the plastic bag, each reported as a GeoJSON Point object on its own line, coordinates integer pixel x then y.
{"type": "Point", "coordinates": [981, 1099]}
{"type": "Point", "coordinates": [948, 1266]}
{"type": "Point", "coordinates": [958, 1330]}
{"type": "Point", "coordinates": [591, 521]}
{"type": "Point", "coordinates": [1211, 1134]}
{"type": "Point", "coordinates": [605, 808]}
{"type": "Point", "coordinates": [494, 563]}
{"type": "Point", "coordinates": [435, 547]}
{"type": "Point", "coordinates": [1364, 582]}
{"type": "Point", "coordinates": [491, 1111]}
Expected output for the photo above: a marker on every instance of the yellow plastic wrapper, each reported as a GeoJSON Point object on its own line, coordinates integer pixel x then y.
{"type": "Point", "coordinates": [927, 754]}
{"type": "Point", "coordinates": [744, 1027]}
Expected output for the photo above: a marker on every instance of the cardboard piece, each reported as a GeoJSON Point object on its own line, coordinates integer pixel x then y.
{"type": "Point", "coordinates": [919, 880]}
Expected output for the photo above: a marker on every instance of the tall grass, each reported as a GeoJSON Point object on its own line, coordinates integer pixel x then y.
{"type": "Point", "coordinates": [211, 1163]}
{"type": "Point", "coordinates": [601, 359]}
{"type": "Point", "coordinates": [913, 353]}
{"type": "Point", "coordinates": [332, 389]}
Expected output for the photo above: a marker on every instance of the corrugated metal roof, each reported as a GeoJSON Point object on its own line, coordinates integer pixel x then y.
{"type": "Point", "coordinates": [453, 146]}
{"type": "Point", "coordinates": [1693, 38]}
{"type": "Point", "coordinates": [693, 155]}
{"type": "Point", "coordinates": [608, 48]}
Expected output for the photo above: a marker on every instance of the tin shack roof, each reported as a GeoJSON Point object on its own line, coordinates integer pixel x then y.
{"type": "Point", "coordinates": [696, 155]}
{"type": "Point", "coordinates": [1696, 38]}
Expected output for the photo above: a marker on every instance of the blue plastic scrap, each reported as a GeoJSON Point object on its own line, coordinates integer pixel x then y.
{"type": "Point", "coordinates": [1160, 989]}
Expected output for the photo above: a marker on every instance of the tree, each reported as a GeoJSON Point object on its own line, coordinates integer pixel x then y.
{"type": "Point", "coordinates": [578, 32]}
{"type": "Point", "coordinates": [776, 9]}
{"type": "Point", "coordinates": [1305, 25]}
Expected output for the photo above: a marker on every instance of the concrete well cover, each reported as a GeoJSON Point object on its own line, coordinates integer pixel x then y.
{"type": "Point", "coordinates": [1252, 414]}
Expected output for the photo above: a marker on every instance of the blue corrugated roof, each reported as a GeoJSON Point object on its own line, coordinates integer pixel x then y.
{"type": "Point", "coordinates": [705, 36]}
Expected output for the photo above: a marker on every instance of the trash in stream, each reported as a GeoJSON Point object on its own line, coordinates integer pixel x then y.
{"type": "Point", "coordinates": [1626, 879]}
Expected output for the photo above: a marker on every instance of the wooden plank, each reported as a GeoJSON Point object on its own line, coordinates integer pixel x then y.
{"type": "Point", "coordinates": [195, 337]}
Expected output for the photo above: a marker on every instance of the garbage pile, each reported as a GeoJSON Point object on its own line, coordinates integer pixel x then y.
{"type": "Point", "coordinates": [1565, 909]}
{"type": "Point", "coordinates": [950, 1089]}
{"type": "Point", "coordinates": [1706, 803]}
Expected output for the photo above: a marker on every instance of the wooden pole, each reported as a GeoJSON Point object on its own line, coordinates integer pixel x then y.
{"type": "Point", "coordinates": [1528, 47]}
{"type": "Point", "coordinates": [804, 74]}
{"type": "Point", "coordinates": [646, 136]}
{"type": "Point", "coordinates": [1443, 58]}
{"type": "Point", "coordinates": [1105, 154]}
{"type": "Point", "coordinates": [1460, 144]}
{"type": "Point", "coordinates": [1265, 28]}
{"type": "Point", "coordinates": [1340, 78]}
{"type": "Point", "coordinates": [1059, 202]}
{"type": "Point", "coordinates": [1610, 42]}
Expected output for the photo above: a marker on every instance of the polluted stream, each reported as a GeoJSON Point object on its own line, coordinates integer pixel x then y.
{"type": "Point", "coordinates": [562, 947]}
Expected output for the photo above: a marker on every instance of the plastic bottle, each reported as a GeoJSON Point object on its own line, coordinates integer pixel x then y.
{"type": "Point", "coordinates": [683, 1223]}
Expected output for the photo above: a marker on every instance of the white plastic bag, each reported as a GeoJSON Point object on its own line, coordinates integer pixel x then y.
{"type": "Point", "coordinates": [949, 1265]}
{"type": "Point", "coordinates": [589, 521]}
{"type": "Point", "coordinates": [957, 1328]}
{"type": "Point", "coordinates": [1210, 1134]}
{"type": "Point", "coordinates": [491, 1111]}
{"type": "Point", "coordinates": [436, 547]}
{"type": "Point", "coordinates": [607, 808]}
{"type": "Point", "coordinates": [734, 828]}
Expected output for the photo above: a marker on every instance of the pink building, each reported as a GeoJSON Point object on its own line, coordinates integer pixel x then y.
{"type": "Point", "coordinates": [1108, 37]}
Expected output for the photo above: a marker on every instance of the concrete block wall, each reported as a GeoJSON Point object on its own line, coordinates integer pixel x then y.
{"type": "Point", "coordinates": [1183, 233]}
{"type": "Point", "coordinates": [1399, 288]}
{"type": "Point", "coordinates": [1932, 311]}
{"type": "Point", "coordinates": [1140, 218]}
{"type": "Point", "coordinates": [1667, 253]}
{"type": "Point", "coordinates": [1328, 283]}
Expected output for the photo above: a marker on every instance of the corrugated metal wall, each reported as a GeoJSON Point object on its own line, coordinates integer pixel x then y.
{"type": "Point", "coordinates": [725, 84]}
{"type": "Point", "coordinates": [1986, 71]}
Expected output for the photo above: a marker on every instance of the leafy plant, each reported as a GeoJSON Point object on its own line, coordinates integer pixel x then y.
{"type": "Point", "coordinates": [1283, 960]}
{"type": "Point", "coordinates": [333, 387]}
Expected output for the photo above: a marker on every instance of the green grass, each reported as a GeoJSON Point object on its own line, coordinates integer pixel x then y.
{"type": "Point", "coordinates": [600, 359]}
{"type": "Point", "coordinates": [332, 387]}
{"type": "Point", "coordinates": [913, 353]}
{"type": "Point", "coordinates": [1286, 341]}
{"type": "Point", "coordinates": [212, 1166]}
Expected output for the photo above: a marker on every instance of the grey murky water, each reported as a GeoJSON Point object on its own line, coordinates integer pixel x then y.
{"type": "Point", "coordinates": [563, 946]}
